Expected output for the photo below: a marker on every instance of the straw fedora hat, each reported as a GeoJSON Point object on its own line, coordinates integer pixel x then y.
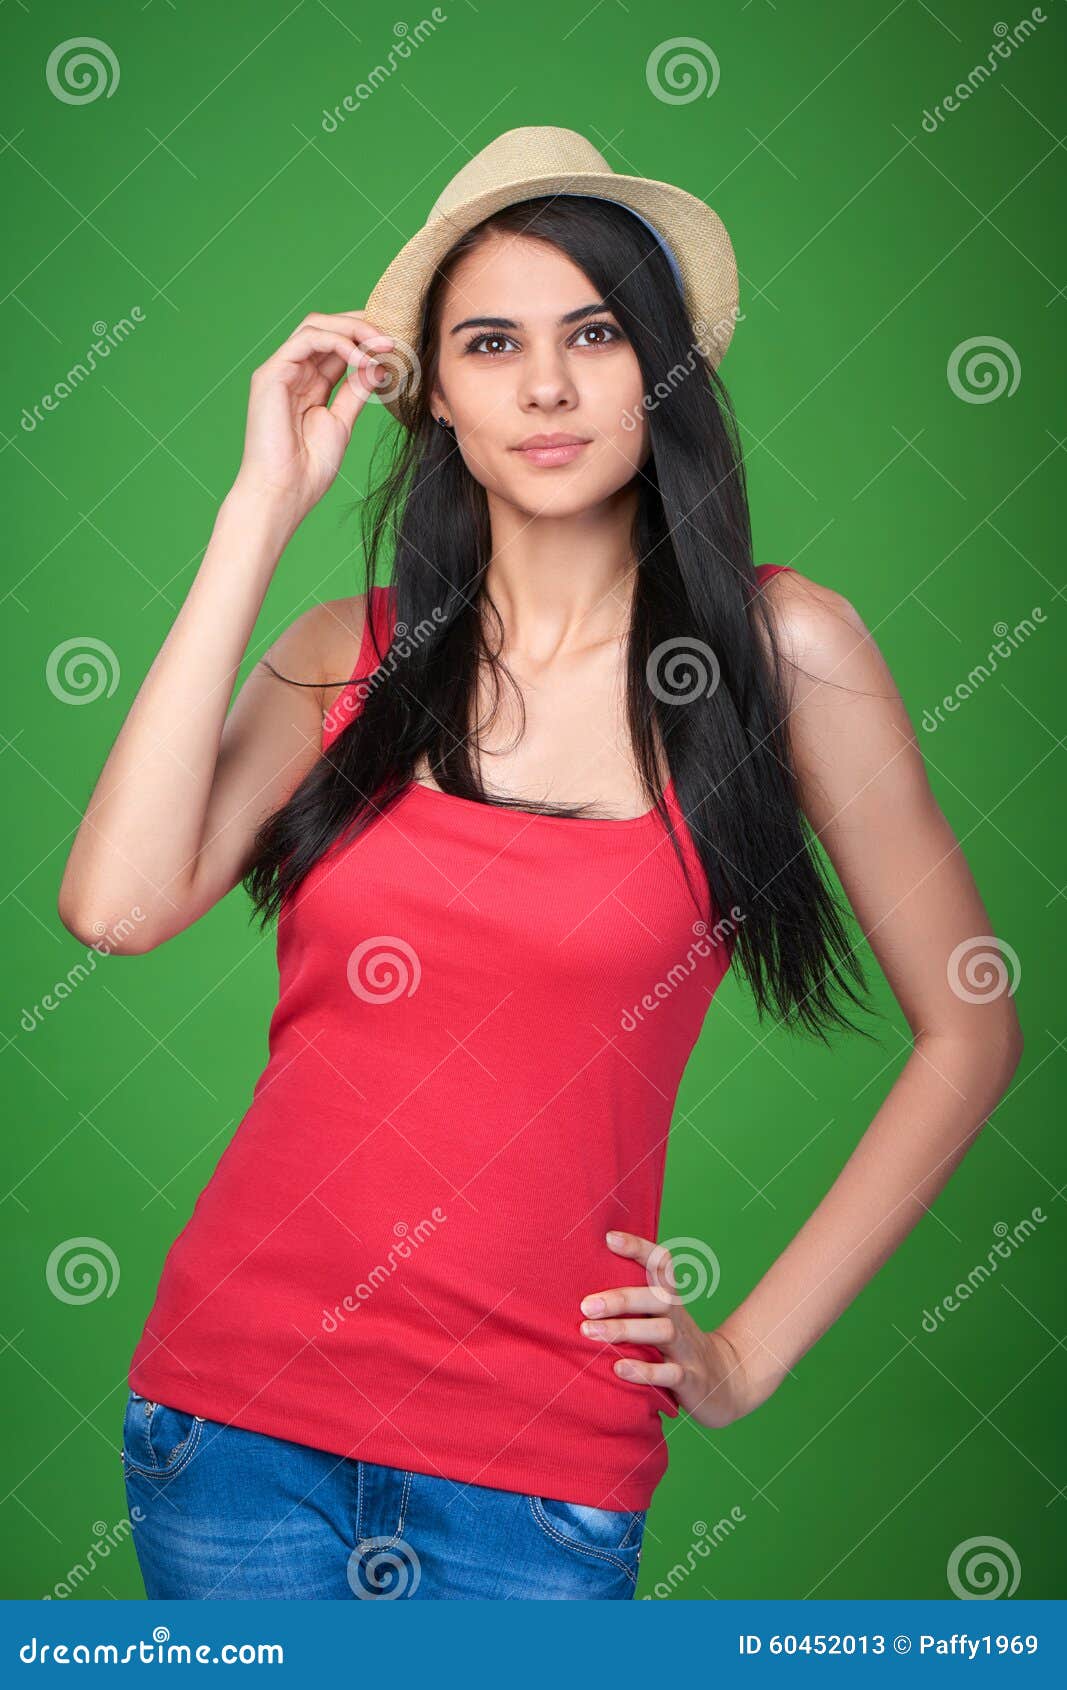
{"type": "Point", "coordinates": [525, 164]}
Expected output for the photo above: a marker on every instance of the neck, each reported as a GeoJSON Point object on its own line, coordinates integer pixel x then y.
{"type": "Point", "coordinates": [565, 583]}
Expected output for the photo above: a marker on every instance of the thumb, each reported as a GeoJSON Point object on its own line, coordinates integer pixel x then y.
{"type": "Point", "coordinates": [353, 392]}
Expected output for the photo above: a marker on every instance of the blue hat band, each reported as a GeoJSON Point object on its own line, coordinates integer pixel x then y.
{"type": "Point", "coordinates": [652, 229]}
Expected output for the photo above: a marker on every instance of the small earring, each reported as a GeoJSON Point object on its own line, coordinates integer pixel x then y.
{"type": "Point", "coordinates": [445, 422]}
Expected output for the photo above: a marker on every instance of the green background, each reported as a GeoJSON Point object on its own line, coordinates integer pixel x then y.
{"type": "Point", "coordinates": [205, 192]}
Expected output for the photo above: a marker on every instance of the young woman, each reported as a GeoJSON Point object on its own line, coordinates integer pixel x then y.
{"type": "Point", "coordinates": [516, 815]}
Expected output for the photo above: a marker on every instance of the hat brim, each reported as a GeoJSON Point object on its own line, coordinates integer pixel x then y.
{"type": "Point", "coordinates": [695, 233]}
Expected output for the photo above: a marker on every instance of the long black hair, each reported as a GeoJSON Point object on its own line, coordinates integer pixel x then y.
{"type": "Point", "coordinates": [697, 617]}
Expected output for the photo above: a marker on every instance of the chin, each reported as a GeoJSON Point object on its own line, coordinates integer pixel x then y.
{"type": "Point", "coordinates": [558, 501]}
{"type": "Point", "coordinates": [567, 491]}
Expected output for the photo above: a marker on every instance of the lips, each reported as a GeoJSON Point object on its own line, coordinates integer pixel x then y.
{"type": "Point", "coordinates": [551, 449]}
{"type": "Point", "coordinates": [535, 440]}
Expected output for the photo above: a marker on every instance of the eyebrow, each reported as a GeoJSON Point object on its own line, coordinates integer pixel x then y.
{"type": "Point", "coordinates": [511, 323]}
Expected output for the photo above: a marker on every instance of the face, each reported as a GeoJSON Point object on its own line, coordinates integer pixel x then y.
{"type": "Point", "coordinates": [525, 352]}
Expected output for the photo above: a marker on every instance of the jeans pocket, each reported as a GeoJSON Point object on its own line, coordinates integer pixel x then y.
{"type": "Point", "coordinates": [608, 1533]}
{"type": "Point", "coordinates": [158, 1440]}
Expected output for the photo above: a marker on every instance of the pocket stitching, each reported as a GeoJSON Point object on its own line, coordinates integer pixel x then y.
{"type": "Point", "coordinates": [552, 1531]}
{"type": "Point", "coordinates": [362, 1542]}
{"type": "Point", "coordinates": [189, 1445]}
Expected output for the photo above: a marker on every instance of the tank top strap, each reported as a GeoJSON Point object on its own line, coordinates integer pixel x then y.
{"type": "Point", "coordinates": [385, 614]}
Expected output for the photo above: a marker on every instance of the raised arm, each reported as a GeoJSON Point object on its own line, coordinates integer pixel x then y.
{"type": "Point", "coordinates": [169, 827]}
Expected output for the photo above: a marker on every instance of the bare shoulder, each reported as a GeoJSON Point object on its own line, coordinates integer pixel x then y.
{"type": "Point", "coordinates": [340, 631]}
{"type": "Point", "coordinates": [320, 646]}
{"type": "Point", "coordinates": [849, 727]}
{"type": "Point", "coordinates": [821, 633]}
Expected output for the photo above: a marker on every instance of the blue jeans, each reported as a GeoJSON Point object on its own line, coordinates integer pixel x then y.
{"type": "Point", "coordinates": [222, 1512]}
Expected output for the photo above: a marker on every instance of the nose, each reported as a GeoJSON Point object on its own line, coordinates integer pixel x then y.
{"type": "Point", "coordinates": [546, 383]}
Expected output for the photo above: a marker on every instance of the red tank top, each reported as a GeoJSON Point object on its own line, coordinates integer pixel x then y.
{"type": "Point", "coordinates": [482, 1023]}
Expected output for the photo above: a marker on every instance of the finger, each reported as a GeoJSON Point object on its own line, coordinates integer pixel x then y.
{"type": "Point", "coordinates": [351, 323]}
{"type": "Point", "coordinates": [304, 343]}
{"type": "Point", "coordinates": [650, 1329]}
{"type": "Point", "coordinates": [655, 1258]}
{"type": "Point", "coordinates": [625, 1299]}
{"type": "Point", "coordinates": [631, 1244]}
{"type": "Point", "coordinates": [353, 394]}
{"type": "Point", "coordinates": [669, 1373]}
{"type": "Point", "coordinates": [331, 355]}
{"type": "Point", "coordinates": [331, 367]}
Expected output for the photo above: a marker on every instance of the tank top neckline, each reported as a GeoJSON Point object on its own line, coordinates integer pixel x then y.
{"type": "Point", "coordinates": [382, 607]}
{"type": "Point", "coordinates": [506, 812]}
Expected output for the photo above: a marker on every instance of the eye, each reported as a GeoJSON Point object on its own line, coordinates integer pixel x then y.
{"type": "Point", "coordinates": [598, 328]}
{"type": "Point", "coordinates": [602, 328]}
{"type": "Point", "coordinates": [478, 338]}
